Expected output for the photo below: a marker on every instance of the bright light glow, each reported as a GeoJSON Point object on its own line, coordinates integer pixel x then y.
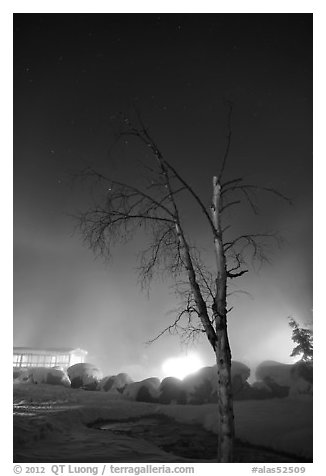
{"type": "Point", "coordinates": [181, 366]}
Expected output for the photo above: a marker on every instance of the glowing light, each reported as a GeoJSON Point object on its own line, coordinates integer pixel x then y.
{"type": "Point", "coordinates": [181, 366]}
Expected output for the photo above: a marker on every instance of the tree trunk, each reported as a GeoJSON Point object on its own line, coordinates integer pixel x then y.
{"type": "Point", "coordinates": [222, 350]}
{"type": "Point", "coordinates": [224, 394]}
{"type": "Point", "coordinates": [218, 337]}
{"type": "Point", "coordinates": [223, 362]}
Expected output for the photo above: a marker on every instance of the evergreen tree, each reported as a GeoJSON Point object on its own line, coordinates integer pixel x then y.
{"type": "Point", "coordinates": [303, 337]}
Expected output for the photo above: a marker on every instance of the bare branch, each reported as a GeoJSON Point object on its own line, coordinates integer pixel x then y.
{"type": "Point", "coordinates": [145, 137]}
{"type": "Point", "coordinates": [165, 168]}
{"type": "Point", "coordinates": [239, 262]}
{"type": "Point", "coordinates": [225, 229]}
{"type": "Point", "coordinates": [205, 278]}
{"type": "Point", "coordinates": [250, 201]}
{"type": "Point", "coordinates": [129, 216]}
{"type": "Point", "coordinates": [89, 172]}
{"type": "Point", "coordinates": [163, 255]}
{"type": "Point", "coordinates": [193, 193]}
{"type": "Point", "coordinates": [230, 182]}
{"type": "Point", "coordinates": [251, 239]}
{"type": "Point", "coordinates": [230, 204]}
{"type": "Point", "coordinates": [237, 275]}
{"type": "Point", "coordinates": [169, 329]}
{"type": "Point", "coordinates": [176, 327]}
{"type": "Point", "coordinates": [257, 246]}
{"type": "Point", "coordinates": [255, 187]}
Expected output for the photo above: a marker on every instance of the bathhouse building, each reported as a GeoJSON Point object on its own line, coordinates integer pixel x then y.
{"type": "Point", "coordinates": [49, 357]}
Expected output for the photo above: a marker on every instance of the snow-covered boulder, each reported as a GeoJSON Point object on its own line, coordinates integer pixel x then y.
{"type": "Point", "coordinates": [172, 391]}
{"type": "Point", "coordinates": [85, 376]}
{"type": "Point", "coordinates": [302, 379]}
{"type": "Point", "coordinates": [22, 375]}
{"type": "Point", "coordinates": [276, 376]}
{"type": "Point", "coordinates": [302, 370]}
{"type": "Point", "coordinates": [201, 386]}
{"type": "Point", "coordinates": [106, 383]}
{"type": "Point", "coordinates": [261, 386]}
{"type": "Point", "coordinates": [239, 375]}
{"type": "Point", "coordinates": [47, 375]}
{"type": "Point", "coordinates": [275, 371]}
{"type": "Point", "coordinates": [300, 387]}
{"type": "Point", "coordinates": [145, 391]}
{"type": "Point", "coordinates": [238, 369]}
{"type": "Point", "coordinates": [286, 379]}
{"type": "Point", "coordinates": [261, 389]}
{"type": "Point", "coordinates": [115, 383]}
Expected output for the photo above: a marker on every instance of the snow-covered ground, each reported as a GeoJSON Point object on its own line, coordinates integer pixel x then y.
{"type": "Point", "coordinates": [283, 424]}
{"type": "Point", "coordinates": [50, 424]}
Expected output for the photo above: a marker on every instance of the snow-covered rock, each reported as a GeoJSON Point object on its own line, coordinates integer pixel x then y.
{"type": "Point", "coordinates": [115, 383]}
{"type": "Point", "coordinates": [145, 391]}
{"type": "Point", "coordinates": [22, 375]}
{"type": "Point", "coordinates": [257, 391]}
{"type": "Point", "coordinates": [239, 375]}
{"type": "Point", "coordinates": [300, 387]}
{"type": "Point", "coordinates": [261, 386]}
{"type": "Point", "coordinates": [201, 386]}
{"type": "Point", "coordinates": [47, 375]}
{"type": "Point", "coordinates": [84, 376]}
{"type": "Point", "coordinates": [302, 370]}
{"type": "Point", "coordinates": [302, 379]}
{"type": "Point", "coordinates": [172, 391]}
{"type": "Point", "coordinates": [241, 370]}
{"type": "Point", "coordinates": [286, 379]}
{"type": "Point", "coordinates": [106, 383]}
{"type": "Point", "coordinates": [275, 371]}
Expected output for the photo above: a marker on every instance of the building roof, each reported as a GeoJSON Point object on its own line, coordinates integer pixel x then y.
{"type": "Point", "coordinates": [48, 350]}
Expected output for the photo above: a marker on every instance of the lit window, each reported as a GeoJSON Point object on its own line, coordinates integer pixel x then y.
{"type": "Point", "coordinates": [34, 359]}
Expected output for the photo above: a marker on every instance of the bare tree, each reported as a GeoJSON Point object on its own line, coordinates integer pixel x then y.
{"type": "Point", "coordinates": [156, 207]}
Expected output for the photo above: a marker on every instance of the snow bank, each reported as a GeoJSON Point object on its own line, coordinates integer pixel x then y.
{"type": "Point", "coordinates": [51, 421]}
{"type": "Point", "coordinates": [281, 424]}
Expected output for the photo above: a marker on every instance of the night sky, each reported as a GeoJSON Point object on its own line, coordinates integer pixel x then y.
{"type": "Point", "coordinates": [74, 75]}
